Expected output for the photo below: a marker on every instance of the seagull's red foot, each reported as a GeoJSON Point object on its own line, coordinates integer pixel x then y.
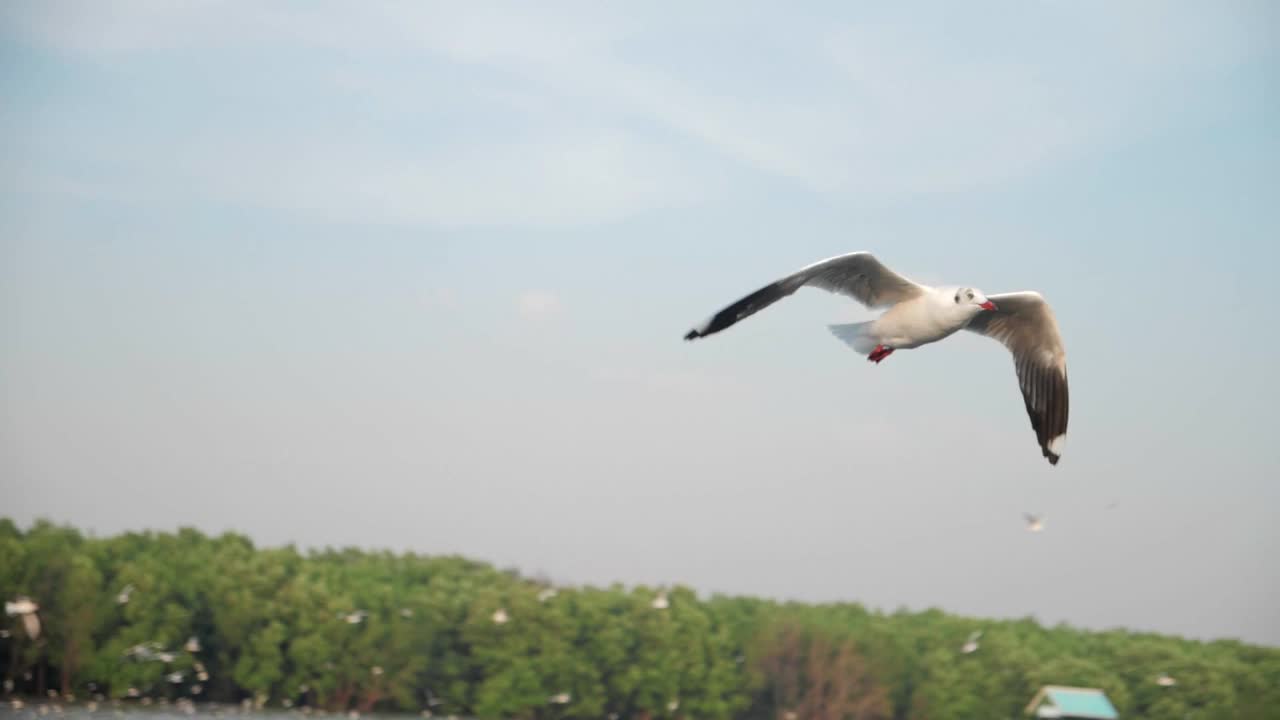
{"type": "Point", "coordinates": [879, 353]}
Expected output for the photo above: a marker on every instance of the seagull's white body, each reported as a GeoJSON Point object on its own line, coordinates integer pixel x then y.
{"type": "Point", "coordinates": [26, 608]}
{"type": "Point", "coordinates": [22, 606]}
{"type": "Point", "coordinates": [917, 315]}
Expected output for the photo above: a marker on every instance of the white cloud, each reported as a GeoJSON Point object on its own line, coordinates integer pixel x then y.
{"type": "Point", "coordinates": [538, 303]}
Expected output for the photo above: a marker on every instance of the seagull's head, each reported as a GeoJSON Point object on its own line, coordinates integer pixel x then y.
{"type": "Point", "coordinates": [973, 298]}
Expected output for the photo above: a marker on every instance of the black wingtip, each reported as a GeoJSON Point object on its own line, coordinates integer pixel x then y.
{"type": "Point", "coordinates": [692, 335]}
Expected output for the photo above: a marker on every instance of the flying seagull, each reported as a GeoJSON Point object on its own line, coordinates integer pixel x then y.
{"type": "Point", "coordinates": [971, 645]}
{"type": "Point", "coordinates": [26, 608]}
{"type": "Point", "coordinates": [1035, 523]}
{"type": "Point", "coordinates": [918, 315]}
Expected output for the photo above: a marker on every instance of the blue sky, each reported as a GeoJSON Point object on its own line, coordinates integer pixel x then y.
{"type": "Point", "coordinates": [414, 275]}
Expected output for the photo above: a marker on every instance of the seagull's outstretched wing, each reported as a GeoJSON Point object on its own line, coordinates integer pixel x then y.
{"type": "Point", "coordinates": [1025, 324]}
{"type": "Point", "coordinates": [859, 275]}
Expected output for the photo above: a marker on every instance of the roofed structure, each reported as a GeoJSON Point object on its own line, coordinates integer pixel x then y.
{"type": "Point", "coordinates": [1071, 703]}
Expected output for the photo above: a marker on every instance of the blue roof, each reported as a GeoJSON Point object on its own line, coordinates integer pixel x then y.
{"type": "Point", "coordinates": [1082, 703]}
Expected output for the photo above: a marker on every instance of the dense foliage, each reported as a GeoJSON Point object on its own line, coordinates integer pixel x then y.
{"type": "Point", "coordinates": [345, 629]}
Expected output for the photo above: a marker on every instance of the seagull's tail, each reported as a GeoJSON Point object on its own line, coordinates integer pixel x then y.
{"type": "Point", "coordinates": [856, 335]}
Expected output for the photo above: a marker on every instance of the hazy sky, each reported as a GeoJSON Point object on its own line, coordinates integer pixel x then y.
{"type": "Point", "coordinates": [414, 275]}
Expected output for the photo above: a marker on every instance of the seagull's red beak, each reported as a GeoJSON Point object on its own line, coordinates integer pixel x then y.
{"type": "Point", "coordinates": [988, 305]}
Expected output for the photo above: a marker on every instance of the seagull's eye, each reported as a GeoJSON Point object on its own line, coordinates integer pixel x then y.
{"type": "Point", "coordinates": [970, 296]}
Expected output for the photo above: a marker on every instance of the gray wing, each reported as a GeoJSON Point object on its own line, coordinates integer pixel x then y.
{"type": "Point", "coordinates": [1025, 324]}
{"type": "Point", "coordinates": [859, 275]}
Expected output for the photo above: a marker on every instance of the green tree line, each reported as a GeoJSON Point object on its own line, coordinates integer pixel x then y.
{"type": "Point", "coordinates": [216, 619]}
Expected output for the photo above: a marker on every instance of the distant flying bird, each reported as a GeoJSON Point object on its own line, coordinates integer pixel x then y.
{"type": "Point", "coordinates": [406, 612]}
{"type": "Point", "coordinates": [23, 605]}
{"type": "Point", "coordinates": [1035, 523]}
{"type": "Point", "coordinates": [123, 596]}
{"type": "Point", "coordinates": [560, 699]}
{"type": "Point", "coordinates": [26, 608]}
{"type": "Point", "coordinates": [673, 705]}
{"type": "Point", "coordinates": [918, 315]}
{"type": "Point", "coordinates": [354, 617]}
{"type": "Point", "coordinates": [971, 645]}
{"type": "Point", "coordinates": [376, 670]}
{"type": "Point", "coordinates": [500, 617]}
{"type": "Point", "coordinates": [660, 602]}
{"type": "Point", "coordinates": [174, 677]}
{"type": "Point", "coordinates": [546, 594]}
{"type": "Point", "coordinates": [1165, 681]}
{"type": "Point", "coordinates": [193, 644]}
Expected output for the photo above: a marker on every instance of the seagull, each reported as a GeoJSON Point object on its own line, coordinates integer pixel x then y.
{"type": "Point", "coordinates": [376, 670]}
{"type": "Point", "coordinates": [500, 617]}
{"type": "Point", "coordinates": [673, 705]}
{"type": "Point", "coordinates": [971, 645]}
{"type": "Point", "coordinates": [175, 677]}
{"type": "Point", "coordinates": [918, 315]}
{"type": "Point", "coordinates": [1165, 681]}
{"type": "Point", "coordinates": [1035, 523]}
{"type": "Point", "coordinates": [123, 596]}
{"type": "Point", "coordinates": [660, 602]}
{"type": "Point", "coordinates": [560, 699]}
{"type": "Point", "coordinates": [354, 617]}
{"type": "Point", "coordinates": [406, 612]}
{"type": "Point", "coordinates": [193, 644]}
{"type": "Point", "coordinates": [546, 594]}
{"type": "Point", "coordinates": [27, 608]}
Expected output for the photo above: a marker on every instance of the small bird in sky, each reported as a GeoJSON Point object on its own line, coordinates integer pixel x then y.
{"type": "Point", "coordinates": [1035, 523]}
